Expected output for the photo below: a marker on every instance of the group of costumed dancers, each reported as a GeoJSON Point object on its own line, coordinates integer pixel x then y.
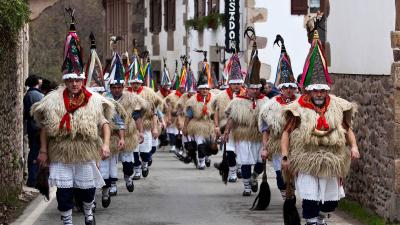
{"type": "Point", "coordinates": [101, 117]}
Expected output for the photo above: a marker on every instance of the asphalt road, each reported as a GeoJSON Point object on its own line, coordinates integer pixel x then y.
{"type": "Point", "coordinates": [175, 193]}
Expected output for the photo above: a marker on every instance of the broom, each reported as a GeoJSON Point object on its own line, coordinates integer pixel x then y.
{"type": "Point", "coordinates": [224, 167]}
{"type": "Point", "coordinates": [42, 182]}
{"type": "Point", "coordinates": [290, 213]}
{"type": "Point", "coordinates": [264, 195]}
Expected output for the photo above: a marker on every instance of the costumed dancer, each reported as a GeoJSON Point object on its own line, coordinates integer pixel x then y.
{"type": "Point", "coordinates": [271, 119]}
{"type": "Point", "coordinates": [163, 93]}
{"type": "Point", "coordinates": [242, 113]}
{"type": "Point", "coordinates": [221, 101]}
{"type": "Point", "coordinates": [189, 143]}
{"type": "Point", "coordinates": [108, 167]}
{"type": "Point", "coordinates": [70, 118]}
{"type": "Point", "coordinates": [198, 122]}
{"type": "Point", "coordinates": [150, 119]}
{"type": "Point", "coordinates": [315, 140]}
{"type": "Point", "coordinates": [171, 102]}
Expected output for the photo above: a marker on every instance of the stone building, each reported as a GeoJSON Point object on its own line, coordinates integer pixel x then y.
{"type": "Point", "coordinates": [49, 28]}
{"type": "Point", "coordinates": [364, 69]}
{"type": "Point", "coordinates": [159, 27]}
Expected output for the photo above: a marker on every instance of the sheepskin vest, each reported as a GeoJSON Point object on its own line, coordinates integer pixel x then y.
{"type": "Point", "coordinates": [83, 142]}
{"type": "Point", "coordinates": [200, 124]}
{"type": "Point", "coordinates": [272, 114]}
{"type": "Point", "coordinates": [130, 103]}
{"type": "Point", "coordinates": [220, 103]}
{"type": "Point", "coordinates": [320, 155]}
{"type": "Point", "coordinates": [114, 138]}
{"type": "Point", "coordinates": [171, 106]}
{"type": "Point", "coordinates": [245, 118]}
{"type": "Point", "coordinates": [154, 102]}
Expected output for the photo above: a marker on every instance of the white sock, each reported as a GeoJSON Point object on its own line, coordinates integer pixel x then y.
{"type": "Point", "coordinates": [312, 220]}
{"type": "Point", "coordinates": [87, 209]}
{"type": "Point", "coordinates": [67, 217]}
{"type": "Point", "coordinates": [105, 191]}
{"type": "Point", "coordinates": [321, 217]}
{"type": "Point", "coordinates": [232, 171]}
{"type": "Point", "coordinates": [246, 183]}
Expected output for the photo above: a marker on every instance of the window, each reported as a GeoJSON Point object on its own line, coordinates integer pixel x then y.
{"type": "Point", "coordinates": [155, 16]}
{"type": "Point", "coordinates": [199, 8]}
{"type": "Point", "coordinates": [213, 6]}
{"type": "Point", "coordinates": [315, 5]}
{"type": "Point", "coordinates": [169, 15]}
{"type": "Point", "coordinates": [299, 7]}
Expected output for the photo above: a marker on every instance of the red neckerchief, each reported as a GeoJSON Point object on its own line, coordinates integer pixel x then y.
{"type": "Point", "coordinates": [261, 96]}
{"type": "Point", "coordinates": [73, 104]}
{"type": "Point", "coordinates": [305, 101]}
{"type": "Point", "coordinates": [230, 92]}
{"type": "Point", "coordinates": [138, 91]}
{"type": "Point", "coordinates": [282, 101]}
{"type": "Point", "coordinates": [200, 98]}
{"type": "Point", "coordinates": [177, 93]}
{"type": "Point", "coordinates": [165, 92]}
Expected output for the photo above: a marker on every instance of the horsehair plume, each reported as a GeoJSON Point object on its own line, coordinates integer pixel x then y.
{"type": "Point", "coordinates": [278, 39]}
{"type": "Point", "coordinates": [71, 13]}
{"type": "Point", "coordinates": [250, 33]}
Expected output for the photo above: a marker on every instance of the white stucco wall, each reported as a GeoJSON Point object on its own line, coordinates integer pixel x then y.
{"type": "Point", "coordinates": [359, 36]}
{"type": "Point", "coordinates": [290, 27]}
{"type": "Point", "coordinates": [210, 38]}
{"type": "Point", "coordinates": [179, 48]}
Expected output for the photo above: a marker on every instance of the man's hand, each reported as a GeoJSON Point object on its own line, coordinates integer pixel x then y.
{"type": "Point", "coordinates": [264, 154]}
{"type": "Point", "coordinates": [121, 144]}
{"type": "Point", "coordinates": [154, 132]}
{"type": "Point", "coordinates": [42, 158]}
{"type": "Point", "coordinates": [105, 151]}
{"type": "Point", "coordinates": [285, 164]}
{"type": "Point", "coordinates": [355, 154]}
{"type": "Point", "coordinates": [141, 138]}
{"type": "Point", "coordinates": [225, 138]}
{"type": "Point", "coordinates": [217, 132]}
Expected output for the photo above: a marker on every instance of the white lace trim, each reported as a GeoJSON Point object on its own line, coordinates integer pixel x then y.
{"type": "Point", "coordinates": [287, 85]}
{"type": "Point", "coordinates": [79, 175]}
{"type": "Point", "coordinates": [318, 87]}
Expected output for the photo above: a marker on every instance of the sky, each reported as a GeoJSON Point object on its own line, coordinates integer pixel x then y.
{"type": "Point", "coordinates": [290, 27]}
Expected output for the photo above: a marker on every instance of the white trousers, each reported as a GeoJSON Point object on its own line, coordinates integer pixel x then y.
{"type": "Point", "coordinates": [319, 188]}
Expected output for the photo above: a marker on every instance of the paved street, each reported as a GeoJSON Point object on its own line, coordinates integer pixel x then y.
{"type": "Point", "coordinates": [175, 193]}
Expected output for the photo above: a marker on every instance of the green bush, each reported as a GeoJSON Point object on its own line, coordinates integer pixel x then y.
{"type": "Point", "coordinates": [13, 15]}
{"type": "Point", "coordinates": [212, 21]}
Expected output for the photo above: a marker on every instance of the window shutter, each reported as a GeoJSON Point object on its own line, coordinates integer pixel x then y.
{"type": "Point", "coordinates": [299, 7]}
{"type": "Point", "coordinates": [172, 15]}
{"type": "Point", "coordinates": [166, 15]}
{"type": "Point", "coordinates": [157, 16]}
{"type": "Point", "coordinates": [151, 22]}
{"type": "Point", "coordinates": [203, 8]}
{"type": "Point", "coordinates": [196, 8]}
{"type": "Point", "coordinates": [209, 6]}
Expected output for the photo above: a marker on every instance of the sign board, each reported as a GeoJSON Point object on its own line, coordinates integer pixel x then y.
{"type": "Point", "coordinates": [232, 25]}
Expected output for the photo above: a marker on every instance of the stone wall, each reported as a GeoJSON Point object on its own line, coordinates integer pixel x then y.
{"type": "Point", "coordinates": [48, 31]}
{"type": "Point", "coordinates": [372, 178]}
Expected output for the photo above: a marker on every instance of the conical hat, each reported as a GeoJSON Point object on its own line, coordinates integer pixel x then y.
{"type": "Point", "coordinates": [284, 74]}
{"type": "Point", "coordinates": [315, 73]}
{"type": "Point", "coordinates": [117, 71]}
{"type": "Point", "coordinates": [72, 67]}
{"type": "Point", "coordinates": [252, 79]}
{"type": "Point", "coordinates": [93, 70]}
{"type": "Point", "coordinates": [234, 70]}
